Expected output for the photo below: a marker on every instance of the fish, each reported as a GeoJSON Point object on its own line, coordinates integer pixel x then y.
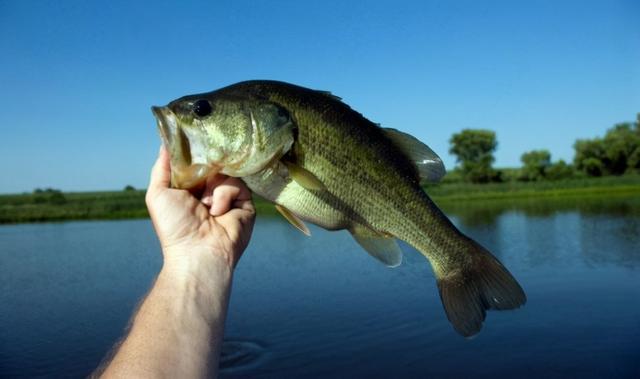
{"type": "Point", "coordinates": [320, 161]}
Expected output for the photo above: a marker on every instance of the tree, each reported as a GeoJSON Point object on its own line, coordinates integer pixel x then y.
{"type": "Point", "coordinates": [535, 164]}
{"type": "Point", "coordinates": [620, 144]}
{"type": "Point", "coordinates": [590, 156]}
{"type": "Point", "coordinates": [617, 153]}
{"type": "Point", "coordinates": [129, 187]}
{"type": "Point", "coordinates": [559, 170]}
{"type": "Point", "coordinates": [48, 195]}
{"type": "Point", "coordinates": [593, 167]}
{"type": "Point", "coordinates": [634, 160]}
{"type": "Point", "coordinates": [474, 150]}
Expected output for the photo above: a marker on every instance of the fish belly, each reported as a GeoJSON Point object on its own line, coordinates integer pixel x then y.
{"type": "Point", "coordinates": [275, 185]}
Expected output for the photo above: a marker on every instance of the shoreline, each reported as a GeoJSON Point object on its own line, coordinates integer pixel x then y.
{"type": "Point", "coordinates": [122, 205]}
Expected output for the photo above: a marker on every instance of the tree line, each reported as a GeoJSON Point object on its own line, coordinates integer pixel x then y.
{"type": "Point", "coordinates": [617, 153]}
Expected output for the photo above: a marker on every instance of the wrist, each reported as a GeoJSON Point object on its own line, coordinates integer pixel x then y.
{"type": "Point", "coordinates": [178, 329]}
{"type": "Point", "coordinates": [184, 264]}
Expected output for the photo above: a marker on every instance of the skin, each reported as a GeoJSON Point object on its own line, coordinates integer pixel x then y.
{"type": "Point", "coordinates": [178, 329]}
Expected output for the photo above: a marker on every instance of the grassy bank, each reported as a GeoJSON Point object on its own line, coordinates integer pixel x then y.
{"type": "Point", "coordinates": [583, 187]}
{"type": "Point", "coordinates": [57, 206]}
{"type": "Point", "coordinates": [72, 206]}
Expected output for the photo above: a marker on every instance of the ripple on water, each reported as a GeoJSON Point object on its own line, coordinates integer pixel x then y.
{"type": "Point", "coordinates": [238, 355]}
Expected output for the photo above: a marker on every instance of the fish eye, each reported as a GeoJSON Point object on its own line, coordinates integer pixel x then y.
{"type": "Point", "coordinates": [202, 108]}
{"type": "Point", "coordinates": [283, 114]}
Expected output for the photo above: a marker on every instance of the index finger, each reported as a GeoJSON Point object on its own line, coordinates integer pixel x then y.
{"type": "Point", "coordinates": [226, 194]}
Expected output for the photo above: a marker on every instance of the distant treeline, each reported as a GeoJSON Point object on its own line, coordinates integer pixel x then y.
{"type": "Point", "coordinates": [54, 205]}
{"type": "Point", "coordinates": [617, 153]}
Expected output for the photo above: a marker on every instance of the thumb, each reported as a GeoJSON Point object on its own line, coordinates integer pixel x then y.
{"type": "Point", "coordinates": [161, 172]}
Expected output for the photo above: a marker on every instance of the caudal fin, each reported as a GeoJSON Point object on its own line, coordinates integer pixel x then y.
{"type": "Point", "coordinates": [468, 292]}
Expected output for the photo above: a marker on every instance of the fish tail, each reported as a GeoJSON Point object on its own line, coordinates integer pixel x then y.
{"type": "Point", "coordinates": [480, 284]}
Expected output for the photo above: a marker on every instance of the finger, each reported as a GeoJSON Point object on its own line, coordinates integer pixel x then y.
{"type": "Point", "coordinates": [226, 194]}
{"type": "Point", "coordinates": [245, 205]}
{"type": "Point", "coordinates": [245, 213]}
{"type": "Point", "coordinates": [238, 224]}
{"type": "Point", "coordinates": [212, 182]}
{"type": "Point", "coordinates": [241, 210]}
{"type": "Point", "coordinates": [161, 172]}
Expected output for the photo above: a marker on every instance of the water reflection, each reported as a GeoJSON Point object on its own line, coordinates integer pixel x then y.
{"type": "Point", "coordinates": [551, 231]}
{"type": "Point", "coordinates": [487, 212]}
{"type": "Point", "coordinates": [610, 240]}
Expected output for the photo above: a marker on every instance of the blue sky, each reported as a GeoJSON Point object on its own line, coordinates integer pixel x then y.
{"type": "Point", "coordinates": [77, 78]}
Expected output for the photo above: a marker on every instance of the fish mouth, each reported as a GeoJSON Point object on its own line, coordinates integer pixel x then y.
{"type": "Point", "coordinates": [167, 125]}
{"type": "Point", "coordinates": [184, 174]}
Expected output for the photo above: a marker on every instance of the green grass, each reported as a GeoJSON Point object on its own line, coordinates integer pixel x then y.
{"type": "Point", "coordinates": [55, 206]}
{"type": "Point", "coordinates": [582, 187]}
{"type": "Point", "coordinates": [72, 206]}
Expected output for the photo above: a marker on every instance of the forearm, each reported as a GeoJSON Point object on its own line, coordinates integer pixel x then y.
{"type": "Point", "coordinates": [178, 329]}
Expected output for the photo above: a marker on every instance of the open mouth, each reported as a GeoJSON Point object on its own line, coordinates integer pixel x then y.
{"type": "Point", "coordinates": [167, 125]}
{"type": "Point", "coordinates": [184, 174]}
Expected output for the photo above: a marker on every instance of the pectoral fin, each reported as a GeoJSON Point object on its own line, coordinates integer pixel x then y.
{"type": "Point", "coordinates": [293, 219]}
{"type": "Point", "coordinates": [383, 248]}
{"type": "Point", "coordinates": [427, 162]}
{"type": "Point", "coordinates": [303, 177]}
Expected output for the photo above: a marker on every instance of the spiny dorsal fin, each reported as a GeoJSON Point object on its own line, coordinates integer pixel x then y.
{"type": "Point", "coordinates": [383, 248]}
{"type": "Point", "coordinates": [303, 177]}
{"type": "Point", "coordinates": [293, 219]}
{"type": "Point", "coordinates": [329, 94]}
{"type": "Point", "coordinates": [429, 165]}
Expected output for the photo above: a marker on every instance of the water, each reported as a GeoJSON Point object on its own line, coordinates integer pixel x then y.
{"type": "Point", "coordinates": [321, 307]}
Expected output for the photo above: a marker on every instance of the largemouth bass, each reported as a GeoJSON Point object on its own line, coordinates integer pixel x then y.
{"type": "Point", "coordinates": [320, 161]}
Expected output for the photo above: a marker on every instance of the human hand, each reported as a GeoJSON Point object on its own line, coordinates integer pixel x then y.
{"type": "Point", "coordinates": [191, 227]}
{"type": "Point", "coordinates": [179, 327]}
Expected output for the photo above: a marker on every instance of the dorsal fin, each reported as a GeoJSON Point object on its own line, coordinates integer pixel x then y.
{"type": "Point", "coordinates": [329, 94]}
{"type": "Point", "coordinates": [428, 163]}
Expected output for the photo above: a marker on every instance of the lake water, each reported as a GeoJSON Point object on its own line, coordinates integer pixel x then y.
{"type": "Point", "coordinates": [321, 307]}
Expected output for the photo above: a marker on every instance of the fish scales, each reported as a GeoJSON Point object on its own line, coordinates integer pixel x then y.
{"type": "Point", "coordinates": [394, 207]}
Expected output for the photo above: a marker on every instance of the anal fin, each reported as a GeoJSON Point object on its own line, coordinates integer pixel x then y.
{"type": "Point", "coordinates": [383, 248]}
{"type": "Point", "coordinates": [293, 219]}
